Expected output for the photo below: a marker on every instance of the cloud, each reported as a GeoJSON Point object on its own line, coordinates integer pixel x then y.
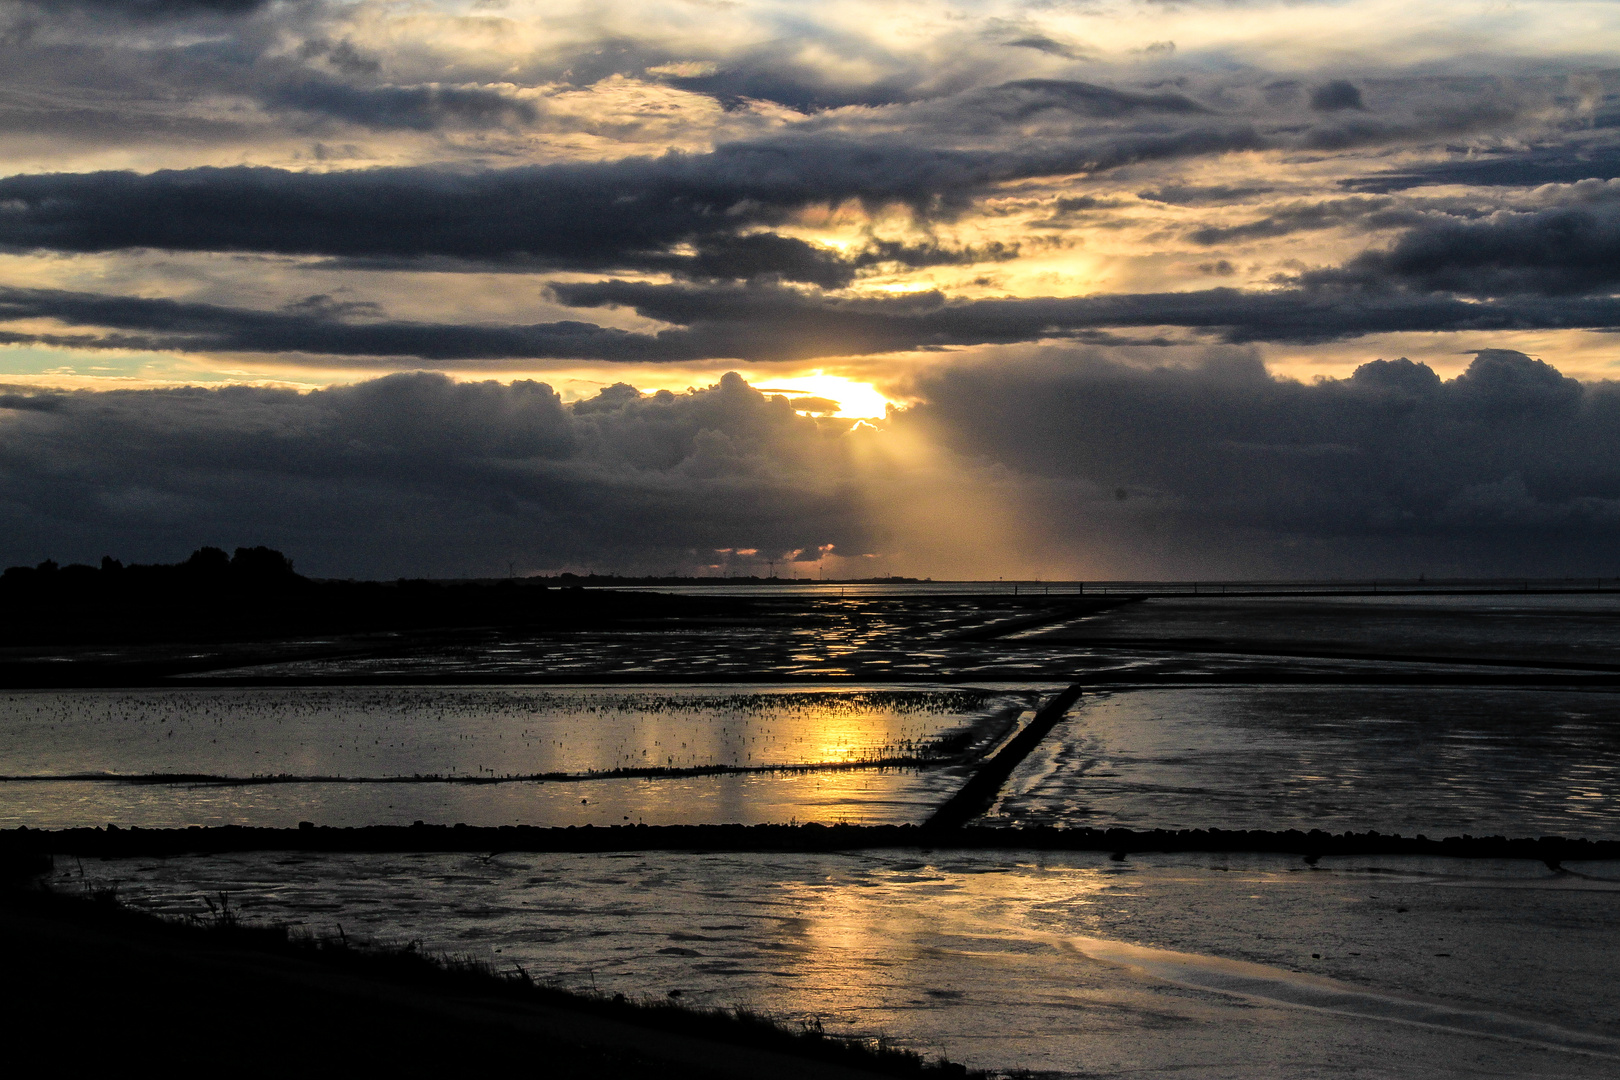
{"type": "Point", "coordinates": [587, 215]}
{"type": "Point", "coordinates": [414, 474]}
{"type": "Point", "coordinates": [1308, 217]}
{"type": "Point", "coordinates": [158, 9]}
{"type": "Point", "coordinates": [768, 323]}
{"type": "Point", "coordinates": [1559, 251]}
{"type": "Point", "coordinates": [1024, 98]}
{"type": "Point", "coordinates": [563, 211]}
{"type": "Point", "coordinates": [30, 402]}
{"type": "Point", "coordinates": [1508, 468]}
{"type": "Point", "coordinates": [1335, 96]}
{"type": "Point", "coordinates": [779, 75]}
{"type": "Point", "coordinates": [764, 323]}
{"type": "Point", "coordinates": [415, 108]}
{"type": "Point", "coordinates": [1503, 168]}
{"type": "Point", "coordinates": [1042, 43]}
{"type": "Point", "coordinates": [1195, 195]}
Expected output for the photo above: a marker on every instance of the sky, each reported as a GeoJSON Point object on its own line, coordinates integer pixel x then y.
{"type": "Point", "coordinates": [1047, 289]}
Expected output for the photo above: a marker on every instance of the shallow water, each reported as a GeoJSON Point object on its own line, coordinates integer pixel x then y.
{"type": "Point", "coordinates": [1069, 963]}
{"type": "Point", "coordinates": [61, 740]}
{"type": "Point", "coordinates": [1434, 760]}
{"type": "Point", "coordinates": [889, 796]}
{"type": "Point", "coordinates": [1502, 627]}
{"type": "Point", "coordinates": [915, 636]}
{"type": "Point", "coordinates": [469, 731]}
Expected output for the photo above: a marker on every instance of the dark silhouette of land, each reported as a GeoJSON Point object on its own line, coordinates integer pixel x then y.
{"type": "Point", "coordinates": [256, 594]}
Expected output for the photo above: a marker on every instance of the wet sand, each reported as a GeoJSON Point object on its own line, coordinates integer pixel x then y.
{"type": "Point", "coordinates": [1065, 963]}
{"type": "Point", "coordinates": [1047, 946]}
{"type": "Point", "coordinates": [106, 989]}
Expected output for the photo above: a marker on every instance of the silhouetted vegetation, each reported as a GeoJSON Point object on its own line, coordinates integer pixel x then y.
{"type": "Point", "coordinates": [256, 593]}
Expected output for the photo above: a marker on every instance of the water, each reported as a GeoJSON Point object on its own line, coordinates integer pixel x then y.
{"type": "Point", "coordinates": [1434, 715]}
{"type": "Point", "coordinates": [472, 731]}
{"type": "Point", "coordinates": [368, 755]}
{"type": "Point", "coordinates": [1442, 761]}
{"type": "Point", "coordinates": [1435, 760]}
{"type": "Point", "coordinates": [1069, 964]}
{"type": "Point", "coordinates": [881, 638]}
{"type": "Point", "coordinates": [1502, 629]}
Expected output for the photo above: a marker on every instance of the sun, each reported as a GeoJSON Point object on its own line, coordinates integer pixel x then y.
{"type": "Point", "coordinates": [856, 400]}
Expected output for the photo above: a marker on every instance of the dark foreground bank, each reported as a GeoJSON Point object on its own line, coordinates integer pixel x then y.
{"type": "Point", "coordinates": [101, 986]}
{"type": "Point", "coordinates": [113, 842]}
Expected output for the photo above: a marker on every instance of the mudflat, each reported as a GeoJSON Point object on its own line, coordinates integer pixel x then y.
{"type": "Point", "coordinates": [108, 987]}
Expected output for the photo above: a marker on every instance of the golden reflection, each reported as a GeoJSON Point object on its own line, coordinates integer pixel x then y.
{"type": "Point", "coordinates": [841, 736]}
{"type": "Point", "coordinates": [875, 922]}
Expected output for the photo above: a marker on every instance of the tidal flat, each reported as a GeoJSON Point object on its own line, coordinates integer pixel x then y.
{"type": "Point", "coordinates": [1439, 715]}
{"type": "Point", "coordinates": [1067, 964]}
{"type": "Point", "coordinates": [555, 755]}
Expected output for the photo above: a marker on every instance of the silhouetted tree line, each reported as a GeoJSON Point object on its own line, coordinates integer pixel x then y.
{"type": "Point", "coordinates": [208, 567]}
{"type": "Point", "coordinates": [256, 593]}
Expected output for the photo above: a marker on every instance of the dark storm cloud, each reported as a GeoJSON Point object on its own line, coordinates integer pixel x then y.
{"type": "Point", "coordinates": [416, 108]}
{"type": "Point", "coordinates": [157, 324]}
{"type": "Point", "coordinates": [414, 474]}
{"type": "Point", "coordinates": [1560, 165]}
{"type": "Point", "coordinates": [1336, 95]}
{"type": "Point", "coordinates": [767, 324]}
{"type": "Point", "coordinates": [760, 255]}
{"type": "Point", "coordinates": [31, 402]}
{"type": "Point", "coordinates": [567, 211]}
{"type": "Point", "coordinates": [591, 214]}
{"type": "Point", "coordinates": [741, 320]}
{"type": "Point", "coordinates": [1508, 468]}
{"type": "Point", "coordinates": [1559, 251]}
{"type": "Point", "coordinates": [1424, 112]}
{"type": "Point", "coordinates": [935, 157]}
